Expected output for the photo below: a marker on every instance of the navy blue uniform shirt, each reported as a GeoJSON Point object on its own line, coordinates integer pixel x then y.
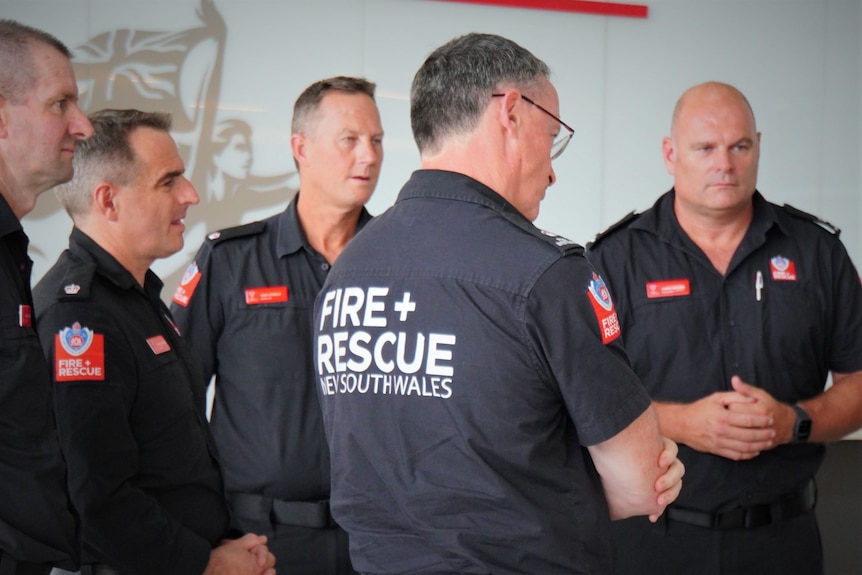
{"type": "Point", "coordinates": [688, 329]}
{"type": "Point", "coordinates": [128, 397]}
{"type": "Point", "coordinates": [245, 308]}
{"type": "Point", "coordinates": [465, 360]}
{"type": "Point", "coordinates": [36, 521]}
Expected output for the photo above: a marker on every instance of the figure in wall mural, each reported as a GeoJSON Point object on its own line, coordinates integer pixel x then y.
{"type": "Point", "coordinates": [180, 72]}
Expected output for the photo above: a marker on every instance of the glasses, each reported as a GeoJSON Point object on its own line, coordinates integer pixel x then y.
{"type": "Point", "coordinates": [560, 144]}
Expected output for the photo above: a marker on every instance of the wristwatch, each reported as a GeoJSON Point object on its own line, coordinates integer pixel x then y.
{"type": "Point", "coordinates": [802, 427]}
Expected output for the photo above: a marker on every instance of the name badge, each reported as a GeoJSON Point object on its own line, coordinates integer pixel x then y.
{"type": "Point", "coordinates": [25, 315]}
{"type": "Point", "coordinates": [268, 294]}
{"type": "Point", "coordinates": [158, 344]}
{"type": "Point", "coordinates": [668, 288]}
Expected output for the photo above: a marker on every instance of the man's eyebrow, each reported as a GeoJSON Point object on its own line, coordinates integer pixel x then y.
{"type": "Point", "coordinates": [170, 176]}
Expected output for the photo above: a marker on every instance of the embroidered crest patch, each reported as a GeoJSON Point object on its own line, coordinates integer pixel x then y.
{"type": "Point", "coordinates": [188, 283]}
{"type": "Point", "coordinates": [79, 354]}
{"type": "Point", "coordinates": [600, 298]}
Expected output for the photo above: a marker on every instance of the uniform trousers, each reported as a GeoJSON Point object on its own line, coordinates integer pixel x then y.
{"type": "Point", "coordinates": [668, 547]}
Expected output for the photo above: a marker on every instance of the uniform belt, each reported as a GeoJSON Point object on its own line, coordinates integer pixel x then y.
{"type": "Point", "coordinates": [785, 507]}
{"type": "Point", "coordinates": [314, 514]}
{"type": "Point", "coordinates": [11, 566]}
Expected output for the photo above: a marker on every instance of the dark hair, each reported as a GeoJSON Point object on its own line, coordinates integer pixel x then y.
{"type": "Point", "coordinates": [452, 88]}
{"type": "Point", "coordinates": [107, 154]}
{"type": "Point", "coordinates": [308, 102]}
{"type": "Point", "coordinates": [17, 73]}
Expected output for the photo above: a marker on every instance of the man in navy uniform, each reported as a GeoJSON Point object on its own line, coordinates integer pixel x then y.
{"type": "Point", "coordinates": [142, 470]}
{"type": "Point", "coordinates": [481, 413]}
{"type": "Point", "coordinates": [734, 310]}
{"type": "Point", "coordinates": [245, 307]}
{"type": "Point", "coordinates": [40, 123]}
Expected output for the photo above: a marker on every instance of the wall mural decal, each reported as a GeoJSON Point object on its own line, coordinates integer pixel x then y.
{"type": "Point", "coordinates": [179, 72]}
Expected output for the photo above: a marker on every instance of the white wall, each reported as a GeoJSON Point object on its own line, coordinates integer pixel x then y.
{"type": "Point", "coordinates": [798, 61]}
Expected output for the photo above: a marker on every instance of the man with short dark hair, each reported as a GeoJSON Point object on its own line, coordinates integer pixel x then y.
{"type": "Point", "coordinates": [143, 473]}
{"type": "Point", "coordinates": [40, 124]}
{"type": "Point", "coordinates": [245, 307]}
{"type": "Point", "coordinates": [481, 413]}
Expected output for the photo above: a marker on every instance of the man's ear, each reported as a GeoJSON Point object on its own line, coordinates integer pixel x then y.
{"type": "Point", "coordinates": [105, 200]}
{"type": "Point", "coordinates": [297, 146]}
{"type": "Point", "coordinates": [668, 153]}
{"type": "Point", "coordinates": [508, 114]}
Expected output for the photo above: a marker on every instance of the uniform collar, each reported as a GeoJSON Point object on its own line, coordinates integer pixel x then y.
{"type": "Point", "coordinates": [456, 186]}
{"type": "Point", "coordinates": [9, 223]}
{"type": "Point", "coordinates": [82, 246]}
{"type": "Point", "coordinates": [291, 238]}
{"type": "Point", "coordinates": [661, 220]}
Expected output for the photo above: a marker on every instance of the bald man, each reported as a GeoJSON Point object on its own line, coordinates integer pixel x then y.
{"type": "Point", "coordinates": [735, 311]}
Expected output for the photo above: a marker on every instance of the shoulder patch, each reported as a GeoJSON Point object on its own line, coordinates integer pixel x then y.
{"type": "Point", "coordinates": [76, 283]}
{"type": "Point", "coordinates": [812, 218]}
{"type": "Point", "coordinates": [79, 354]}
{"type": "Point", "coordinates": [188, 283]}
{"type": "Point", "coordinates": [603, 306]}
{"type": "Point", "coordinates": [627, 219]}
{"type": "Point", "coordinates": [251, 229]}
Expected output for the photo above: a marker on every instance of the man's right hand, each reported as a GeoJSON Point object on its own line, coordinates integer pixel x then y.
{"type": "Point", "coordinates": [247, 555]}
{"type": "Point", "coordinates": [725, 423]}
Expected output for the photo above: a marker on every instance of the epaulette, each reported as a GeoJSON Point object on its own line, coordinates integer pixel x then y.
{"type": "Point", "coordinates": [76, 283]}
{"type": "Point", "coordinates": [251, 229]}
{"type": "Point", "coordinates": [812, 218]}
{"type": "Point", "coordinates": [626, 219]}
{"type": "Point", "coordinates": [565, 245]}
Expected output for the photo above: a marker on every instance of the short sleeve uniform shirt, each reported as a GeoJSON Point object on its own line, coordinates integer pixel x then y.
{"type": "Point", "coordinates": [465, 359]}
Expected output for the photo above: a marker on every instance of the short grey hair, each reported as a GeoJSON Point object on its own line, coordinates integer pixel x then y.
{"type": "Point", "coordinates": [107, 155]}
{"type": "Point", "coordinates": [451, 89]}
{"type": "Point", "coordinates": [17, 70]}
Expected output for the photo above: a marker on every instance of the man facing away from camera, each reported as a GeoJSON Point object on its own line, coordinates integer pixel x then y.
{"type": "Point", "coordinates": [482, 415]}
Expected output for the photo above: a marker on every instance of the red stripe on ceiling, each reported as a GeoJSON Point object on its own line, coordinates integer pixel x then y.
{"type": "Point", "coordinates": [582, 6]}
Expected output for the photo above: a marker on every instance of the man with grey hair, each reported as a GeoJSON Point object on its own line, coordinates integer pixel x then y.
{"type": "Point", "coordinates": [481, 414]}
{"type": "Point", "coordinates": [40, 123]}
{"type": "Point", "coordinates": [142, 470]}
{"type": "Point", "coordinates": [245, 307]}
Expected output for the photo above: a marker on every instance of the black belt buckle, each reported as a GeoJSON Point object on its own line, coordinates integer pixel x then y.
{"type": "Point", "coordinates": [761, 515]}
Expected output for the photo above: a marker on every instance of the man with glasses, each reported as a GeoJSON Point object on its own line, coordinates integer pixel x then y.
{"type": "Point", "coordinates": [734, 311]}
{"type": "Point", "coordinates": [481, 414]}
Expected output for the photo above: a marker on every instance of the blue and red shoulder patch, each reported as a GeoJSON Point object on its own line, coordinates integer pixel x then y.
{"type": "Point", "coordinates": [603, 306]}
{"type": "Point", "coordinates": [79, 354]}
{"type": "Point", "coordinates": [188, 283]}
